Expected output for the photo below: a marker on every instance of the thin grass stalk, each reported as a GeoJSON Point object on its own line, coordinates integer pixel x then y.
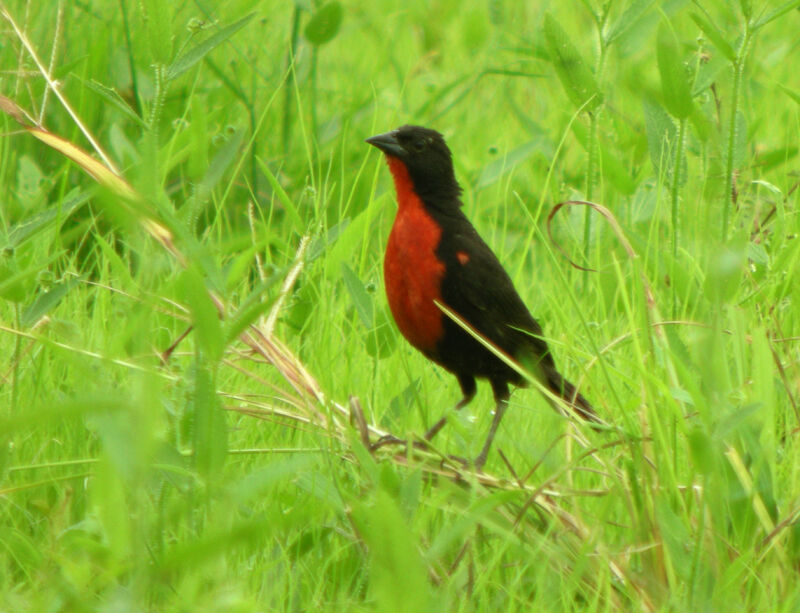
{"type": "Point", "coordinates": [313, 101]}
{"type": "Point", "coordinates": [291, 54]}
{"type": "Point", "coordinates": [738, 70]}
{"type": "Point", "coordinates": [674, 193]}
{"type": "Point", "coordinates": [591, 169]}
{"type": "Point", "coordinates": [129, 53]}
{"type": "Point", "coordinates": [676, 183]}
{"type": "Point", "coordinates": [53, 56]}
{"type": "Point", "coordinates": [590, 173]}
{"type": "Point", "coordinates": [17, 355]}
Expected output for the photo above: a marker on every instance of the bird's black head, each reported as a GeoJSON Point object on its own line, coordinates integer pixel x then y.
{"type": "Point", "coordinates": [427, 158]}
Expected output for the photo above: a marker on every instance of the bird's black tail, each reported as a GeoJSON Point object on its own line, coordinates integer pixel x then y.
{"type": "Point", "coordinates": [565, 390]}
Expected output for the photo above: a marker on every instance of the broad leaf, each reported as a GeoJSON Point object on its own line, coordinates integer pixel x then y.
{"type": "Point", "coordinates": [188, 59]}
{"type": "Point", "coordinates": [675, 83]}
{"type": "Point", "coordinates": [324, 23]}
{"type": "Point", "coordinates": [575, 76]}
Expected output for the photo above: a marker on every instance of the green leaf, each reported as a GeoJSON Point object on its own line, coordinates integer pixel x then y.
{"type": "Point", "coordinates": [40, 222]}
{"type": "Point", "coordinates": [191, 57]}
{"type": "Point", "coordinates": [675, 535]}
{"type": "Point", "coordinates": [708, 73]}
{"type": "Point", "coordinates": [15, 284]}
{"type": "Point", "coordinates": [111, 95]}
{"type": "Point", "coordinates": [612, 168]}
{"type": "Point", "coordinates": [629, 18]}
{"type": "Point", "coordinates": [661, 136]}
{"type": "Point", "coordinates": [320, 244]}
{"type": "Point", "coordinates": [323, 488]}
{"type": "Point", "coordinates": [252, 308]}
{"type": "Point", "coordinates": [495, 169]}
{"type": "Point", "coordinates": [350, 238]}
{"type": "Point", "coordinates": [398, 575]}
{"type": "Point", "coordinates": [701, 450]}
{"type": "Point", "coordinates": [4, 457]}
{"type": "Point", "coordinates": [264, 480]}
{"type": "Point", "coordinates": [791, 93]}
{"type": "Point", "coordinates": [714, 35]}
{"type": "Point", "coordinates": [675, 84]}
{"type": "Point", "coordinates": [702, 126]}
{"type": "Point", "coordinates": [381, 341]}
{"type": "Point", "coordinates": [205, 318]}
{"type": "Point", "coordinates": [775, 13]}
{"type": "Point", "coordinates": [31, 182]}
{"type": "Point", "coordinates": [575, 76]}
{"type": "Point", "coordinates": [114, 262]}
{"type": "Point", "coordinates": [616, 172]}
{"type": "Point", "coordinates": [359, 295]}
{"type": "Point", "coordinates": [242, 264]}
{"type": "Point", "coordinates": [222, 160]}
{"type": "Point", "coordinates": [213, 543]}
{"type": "Point", "coordinates": [158, 24]}
{"type": "Point", "coordinates": [737, 420]}
{"type": "Point", "coordinates": [197, 163]}
{"type": "Point", "coordinates": [324, 23]}
{"type": "Point", "coordinates": [209, 431]}
{"type": "Point", "coordinates": [739, 139]}
{"type": "Point", "coordinates": [69, 68]}
{"type": "Point", "coordinates": [111, 507]}
{"type": "Point", "coordinates": [482, 511]}
{"type": "Point", "coordinates": [288, 205]}
{"type": "Point", "coordinates": [724, 274]}
{"type": "Point", "coordinates": [747, 8]}
{"type": "Point", "coordinates": [26, 550]}
{"type": "Point", "coordinates": [769, 159]}
{"type": "Point", "coordinates": [497, 12]}
{"type": "Point", "coordinates": [45, 302]}
{"type": "Point", "coordinates": [55, 413]}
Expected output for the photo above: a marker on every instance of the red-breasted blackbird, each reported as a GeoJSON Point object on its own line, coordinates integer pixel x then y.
{"type": "Point", "coordinates": [435, 255]}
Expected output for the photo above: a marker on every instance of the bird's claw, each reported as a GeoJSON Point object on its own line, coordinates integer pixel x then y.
{"type": "Point", "coordinates": [387, 439]}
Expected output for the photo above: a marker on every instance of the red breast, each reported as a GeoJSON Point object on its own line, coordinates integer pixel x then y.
{"type": "Point", "coordinates": [412, 272]}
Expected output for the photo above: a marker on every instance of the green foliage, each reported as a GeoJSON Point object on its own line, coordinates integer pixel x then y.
{"type": "Point", "coordinates": [573, 72]}
{"type": "Point", "coordinates": [675, 84]}
{"type": "Point", "coordinates": [189, 355]}
{"type": "Point", "coordinates": [158, 25]}
{"type": "Point", "coordinates": [324, 23]}
{"type": "Point", "coordinates": [189, 58]}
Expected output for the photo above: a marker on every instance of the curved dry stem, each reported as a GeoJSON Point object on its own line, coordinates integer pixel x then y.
{"type": "Point", "coordinates": [617, 229]}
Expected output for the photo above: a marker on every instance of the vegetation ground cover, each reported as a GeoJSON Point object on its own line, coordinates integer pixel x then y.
{"type": "Point", "coordinates": [196, 347]}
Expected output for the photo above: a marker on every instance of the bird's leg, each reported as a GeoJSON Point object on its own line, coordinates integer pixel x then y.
{"type": "Point", "coordinates": [500, 389]}
{"type": "Point", "coordinates": [468, 388]}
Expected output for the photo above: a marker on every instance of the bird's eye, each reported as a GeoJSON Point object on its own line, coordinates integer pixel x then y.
{"type": "Point", "coordinates": [418, 146]}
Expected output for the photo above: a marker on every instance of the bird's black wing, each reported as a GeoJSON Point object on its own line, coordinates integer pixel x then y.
{"type": "Point", "coordinates": [477, 287]}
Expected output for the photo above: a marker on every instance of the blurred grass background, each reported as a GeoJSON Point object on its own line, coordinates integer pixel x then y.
{"type": "Point", "coordinates": [142, 470]}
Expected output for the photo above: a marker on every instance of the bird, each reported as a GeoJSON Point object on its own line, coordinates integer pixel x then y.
{"type": "Point", "coordinates": [435, 260]}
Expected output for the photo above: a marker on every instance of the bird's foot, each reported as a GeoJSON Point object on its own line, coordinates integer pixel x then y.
{"type": "Point", "coordinates": [387, 439]}
{"type": "Point", "coordinates": [391, 439]}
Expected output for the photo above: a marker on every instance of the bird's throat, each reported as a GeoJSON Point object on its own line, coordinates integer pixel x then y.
{"type": "Point", "coordinates": [412, 271]}
{"type": "Point", "coordinates": [403, 185]}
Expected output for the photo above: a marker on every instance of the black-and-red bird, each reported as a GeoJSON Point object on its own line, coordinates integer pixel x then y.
{"type": "Point", "coordinates": [435, 255]}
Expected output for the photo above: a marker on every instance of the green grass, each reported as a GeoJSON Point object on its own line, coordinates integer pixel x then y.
{"type": "Point", "coordinates": [230, 474]}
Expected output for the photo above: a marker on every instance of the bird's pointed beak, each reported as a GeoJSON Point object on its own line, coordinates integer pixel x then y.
{"type": "Point", "coordinates": [387, 143]}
